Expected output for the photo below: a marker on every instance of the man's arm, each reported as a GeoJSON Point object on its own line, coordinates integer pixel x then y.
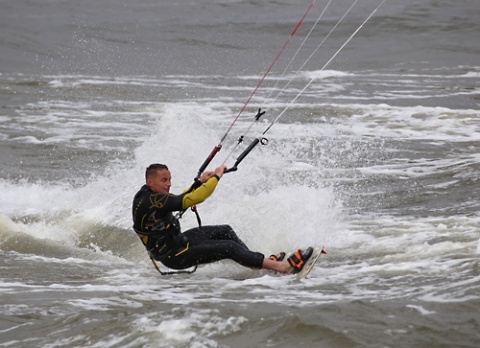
{"type": "Point", "coordinates": [198, 195]}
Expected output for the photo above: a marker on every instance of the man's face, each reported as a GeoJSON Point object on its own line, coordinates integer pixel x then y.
{"type": "Point", "coordinates": [160, 182]}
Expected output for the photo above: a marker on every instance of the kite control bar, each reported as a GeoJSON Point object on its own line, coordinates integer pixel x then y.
{"type": "Point", "coordinates": [217, 148]}
{"type": "Point", "coordinates": [263, 141]}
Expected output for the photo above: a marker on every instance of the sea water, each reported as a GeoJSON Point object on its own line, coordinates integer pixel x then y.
{"type": "Point", "coordinates": [377, 161]}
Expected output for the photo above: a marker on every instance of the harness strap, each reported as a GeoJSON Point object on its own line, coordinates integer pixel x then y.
{"type": "Point", "coordinates": [195, 210]}
{"type": "Point", "coordinates": [179, 216]}
{"type": "Point", "coordinates": [171, 272]}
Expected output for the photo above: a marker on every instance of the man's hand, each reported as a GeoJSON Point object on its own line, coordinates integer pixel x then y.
{"type": "Point", "coordinates": [205, 176]}
{"type": "Point", "coordinates": [218, 172]}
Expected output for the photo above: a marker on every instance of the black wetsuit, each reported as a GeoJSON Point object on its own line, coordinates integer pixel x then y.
{"type": "Point", "coordinates": [159, 230]}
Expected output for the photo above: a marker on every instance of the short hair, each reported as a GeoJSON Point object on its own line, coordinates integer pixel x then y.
{"type": "Point", "coordinates": [152, 169]}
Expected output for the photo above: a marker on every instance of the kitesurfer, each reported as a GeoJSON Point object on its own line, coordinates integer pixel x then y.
{"type": "Point", "coordinates": [160, 233]}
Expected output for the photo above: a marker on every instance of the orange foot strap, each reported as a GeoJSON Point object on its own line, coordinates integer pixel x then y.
{"type": "Point", "coordinates": [298, 259]}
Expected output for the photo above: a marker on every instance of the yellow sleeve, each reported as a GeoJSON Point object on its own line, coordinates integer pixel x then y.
{"type": "Point", "coordinates": [200, 194]}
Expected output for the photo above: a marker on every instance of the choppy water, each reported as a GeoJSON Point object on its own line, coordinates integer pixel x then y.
{"type": "Point", "coordinates": [377, 160]}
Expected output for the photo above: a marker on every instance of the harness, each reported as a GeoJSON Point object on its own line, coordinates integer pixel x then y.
{"type": "Point", "coordinates": [175, 221]}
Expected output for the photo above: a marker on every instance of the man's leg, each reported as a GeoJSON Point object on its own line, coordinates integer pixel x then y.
{"type": "Point", "coordinates": [213, 243]}
{"type": "Point", "coordinates": [214, 232]}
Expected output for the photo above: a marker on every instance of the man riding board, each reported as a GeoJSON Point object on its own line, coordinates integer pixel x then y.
{"type": "Point", "coordinates": [160, 233]}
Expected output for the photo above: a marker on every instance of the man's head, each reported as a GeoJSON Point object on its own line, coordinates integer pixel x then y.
{"type": "Point", "coordinates": [158, 178]}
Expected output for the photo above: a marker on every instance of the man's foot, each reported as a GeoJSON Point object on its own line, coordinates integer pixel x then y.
{"type": "Point", "coordinates": [298, 260]}
{"type": "Point", "coordinates": [279, 257]}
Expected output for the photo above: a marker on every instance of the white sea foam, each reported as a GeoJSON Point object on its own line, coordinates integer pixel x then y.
{"type": "Point", "coordinates": [325, 74]}
{"type": "Point", "coordinates": [279, 199]}
{"type": "Point", "coordinates": [198, 325]}
{"type": "Point", "coordinates": [420, 309]}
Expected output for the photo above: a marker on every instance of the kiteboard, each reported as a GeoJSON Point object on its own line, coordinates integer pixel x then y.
{"type": "Point", "coordinates": [317, 251]}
